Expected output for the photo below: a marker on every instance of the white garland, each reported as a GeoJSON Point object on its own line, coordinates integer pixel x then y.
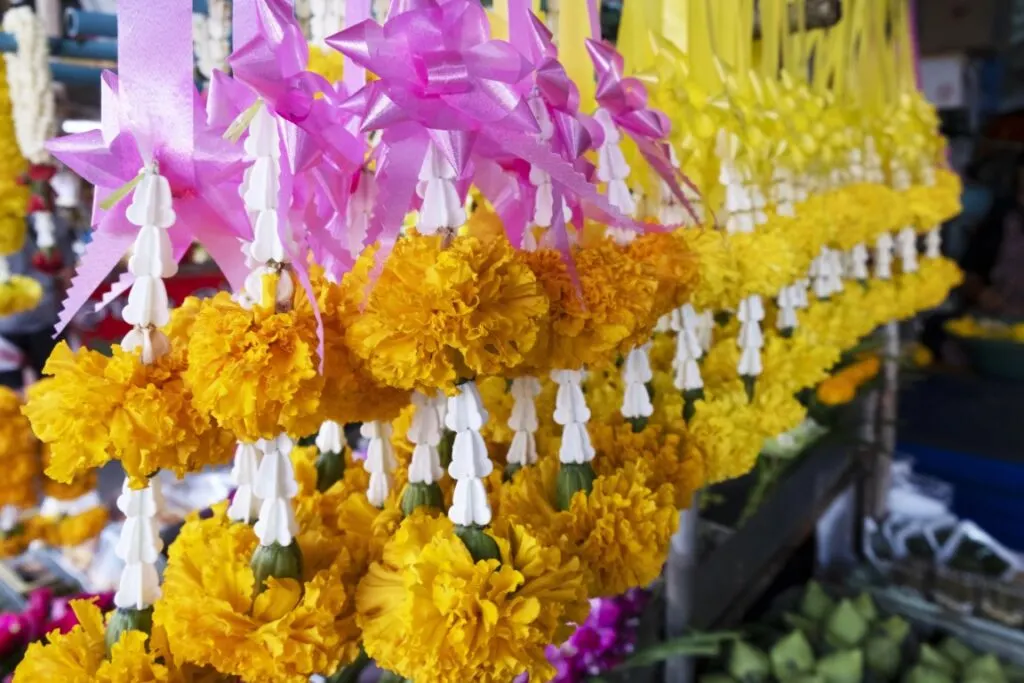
{"type": "Point", "coordinates": [28, 77]}
{"type": "Point", "coordinates": [326, 18]}
{"type": "Point", "coordinates": [211, 35]}
{"type": "Point", "coordinates": [470, 464]}
{"type": "Point", "coordinates": [32, 102]}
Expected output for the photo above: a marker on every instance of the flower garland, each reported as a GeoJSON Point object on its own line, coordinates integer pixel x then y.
{"type": "Point", "coordinates": [34, 117]}
{"type": "Point", "coordinates": [17, 292]}
{"type": "Point", "coordinates": [576, 373]}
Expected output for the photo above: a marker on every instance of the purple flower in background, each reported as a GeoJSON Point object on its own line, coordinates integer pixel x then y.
{"type": "Point", "coordinates": [602, 642]}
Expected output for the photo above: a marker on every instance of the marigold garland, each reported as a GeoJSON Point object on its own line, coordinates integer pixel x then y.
{"type": "Point", "coordinates": [141, 415]}
{"type": "Point", "coordinates": [429, 612]}
{"type": "Point", "coordinates": [211, 618]}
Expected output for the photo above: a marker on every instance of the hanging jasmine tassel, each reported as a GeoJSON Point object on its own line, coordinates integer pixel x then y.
{"type": "Point", "coordinates": [857, 263]}
{"type": "Point", "coordinates": [750, 341]}
{"type": "Point", "coordinates": [245, 505]}
{"type": "Point", "coordinates": [425, 469]}
{"type": "Point", "coordinates": [786, 320]}
{"type": "Point", "coordinates": [380, 461]}
{"type": "Point", "coordinates": [523, 423]}
{"type": "Point", "coordinates": [906, 246]}
{"type": "Point", "coordinates": [147, 311]}
{"type": "Point", "coordinates": [613, 170]}
{"type": "Point", "coordinates": [139, 546]}
{"type": "Point", "coordinates": [576, 453]}
{"type": "Point", "coordinates": [277, 555]}
{"type": "Point", "coordinates": [636, 376]}
{"type": "Point", "coordinates": [687, 376]}
{"type": "Point", "coordinates": [330, 462]}
{"type": "Point", "coordinates": [470, 510]}
{"type": "Point", "coordinates": [442, 209]}
{"type": "Point", "coordinates": [883, 256]}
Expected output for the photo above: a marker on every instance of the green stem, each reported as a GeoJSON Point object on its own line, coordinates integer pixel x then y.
{"type": "Point", "coordinates": [351, 672]}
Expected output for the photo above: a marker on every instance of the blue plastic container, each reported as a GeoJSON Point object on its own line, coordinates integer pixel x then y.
{"type": "Point", "coordinates": [988, 491]}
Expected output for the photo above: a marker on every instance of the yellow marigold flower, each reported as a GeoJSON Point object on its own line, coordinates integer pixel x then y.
{"type": "Point", "coordinates": [19, 453]}
{"type": "Point", "coordinates": [430, 613]}
{"type": "Point", "coordinates": [287, 633]}
{"type": "Point", "coordinates": [725, 430]}
{"type": "Point", "coordinates": [13, 195]}
{"type": "Point", "coordinates": [350, 392]}
{"type": "Point", "coordinates": [78, 487]}
{"type": "Point", "coordinates": [79, 656]}
{"type": "Point", "coordinates": [718, 272]}
{"type": "Point", "coordinates": [327, 63]}
{"type": "Point", "coordinates": [436, 315]}
{"type": "Point", "coordinates": [764, 260]}
{"type": "Point", "coordinates": [612, 314]}
{"type": "Point", "coordinates": [139, 414]}
{"type": "Point", "coordinates": [255, 372]}
{"type": "Point", "coordinates": [836, 391]}
{"type": "Point", "coordinates": [620, 532]}
{"type": "Point", "coordinates": [667, 258]}
{"type": "Point", "coordinates": [68, 532]}
{"type": "Point", "coordinates": [668, 461]}
{"type": "Point", "coordinates": [20, 293]}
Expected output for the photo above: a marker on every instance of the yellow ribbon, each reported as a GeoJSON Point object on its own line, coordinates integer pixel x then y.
{"type": "Point", "coordinates": [573, 30]}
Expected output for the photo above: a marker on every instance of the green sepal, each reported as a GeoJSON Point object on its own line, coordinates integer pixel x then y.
{"type": "Point", "coordinates": [749, 386]}
{"type": "Point", "coordinates": [276, 561]}
{"type": "Point", "coordinates": [510, 471]}
{"type": "Point", "coordinates": [573, 478]}
{"type": "Point", "coordinates": [478, 543]}
{"type": "Point", "coordinates": [444, 449]}
{"type": "Point", "coordinates": [638, 424]}
{"type": "Point", "coordinates": [122, 620]}
{"type": "Point", "coordinates": [786, 332]}
{"type": "Point", "coordinates": [330, 468]}
{"type": "Point", "coordinates": [690, 398]}
{"type": "Point", "coordinates": [420, 494]}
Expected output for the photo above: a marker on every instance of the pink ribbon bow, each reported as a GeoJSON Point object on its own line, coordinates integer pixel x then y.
{"type": "Point", "coordinates": [625, 99]}
{"type": "Point", "coordinates": [442, 78]}
{"type": "Point", "coordinates": [153, 114]}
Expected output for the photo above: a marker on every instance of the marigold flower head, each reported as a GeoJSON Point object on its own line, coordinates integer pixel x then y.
{"type": "Point", "coordinates": [139, 414]}
{"type": "Point", "coordinates": [609, 311]}
{"type": "Point", "coordinates": [18, 294]}
{"type": "Point", "coordinates": [255, 371]}
{"type": "Point", "coordinates": [80, 655]}
{"type": "Point", "coordinates": [438, 314]}
{"type": "Point", "coordinates": [287, 633]}
{"type": "Point", "coordinates": [19, 453]}
{"type": "Point", "coordinates": [620, 531]}
{"type": "Point", "coordinates": [668, 462]}
{"type": "Point", "coordinates": [669, 260]}
{"type": "Point", "coordinates": [429, 612]}
{"type": "Point", "coordinates": [350, 393]}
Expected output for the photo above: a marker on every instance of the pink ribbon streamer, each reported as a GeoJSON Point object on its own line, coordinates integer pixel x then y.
{"type": "Point", "coordinates": [152, 113]}
{"type": "Point", "coordinates": [625, 99]}
{"type": "Point", "coordinates": [354, 75]}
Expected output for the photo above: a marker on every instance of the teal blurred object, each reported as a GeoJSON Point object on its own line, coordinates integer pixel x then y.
{"type": "Point", "coordinates": [1000, 358]}
{"type": "Point", "coordinates": [977, 201]}
{"type": "Point", "coordinates": [996, 357]}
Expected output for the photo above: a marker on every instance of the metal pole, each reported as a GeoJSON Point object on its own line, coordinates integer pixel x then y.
{"type": "Point", "coordinates": [679, 574]}
{"type": "Point", "coordinates": [101, 50]}
{"type": "Point", "coordinates": [49, 13]}
{"type": "Point", "coordinates": [887, 415]}
{"type": "Point", "coordinates": [79, 24]}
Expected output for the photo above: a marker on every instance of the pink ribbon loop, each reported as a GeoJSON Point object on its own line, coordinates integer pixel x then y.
{"type": "Point", "coordinates": [625, 99]}
{"type": "Point", "coordinates": [153, 114]}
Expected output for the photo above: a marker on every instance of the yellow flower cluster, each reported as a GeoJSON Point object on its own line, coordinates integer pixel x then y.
{"type": "Point", "coordinates": [139, 414]}
{"type": "Point", "coordinates": [429, 610]}
{"type": "Point", "coordinates": [13, 195]}
{"type": "Point", "coordinates": [19, 453]}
